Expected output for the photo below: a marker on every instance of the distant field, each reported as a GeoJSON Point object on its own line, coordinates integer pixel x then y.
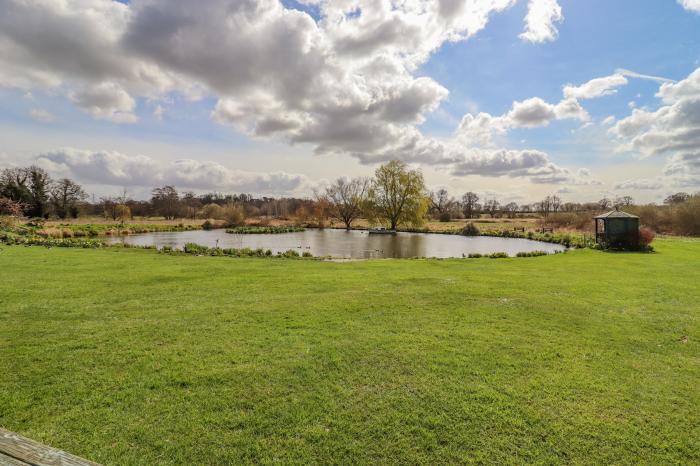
{"type": "Point", "coordinates": [133, 357]}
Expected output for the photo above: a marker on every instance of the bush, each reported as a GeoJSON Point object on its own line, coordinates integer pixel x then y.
{"type": "Point", "coordinates": [207, 225]}
{"type": "Point", "coordinates": [498, 255]}
{"type": "Point", "coordinates": [475, 255]}
{"type": "Point", "coordinates": [470, 230]}
{"type": "Point", "coordinates": [646, 236]}
{"type": "Point", "coordinates": [445, 217]}
{"type": "Point", "coordinates": [194, 248]}
{"type": "Point", "coordinates": [213, 211]}
{"type": "Point", "coordinates": [10, 208]}
{"type": "Point", "coordinates": [233, 215]}
{"type": "Point", "coordinates": [531, 254]}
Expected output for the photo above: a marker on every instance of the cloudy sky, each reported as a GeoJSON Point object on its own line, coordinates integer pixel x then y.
{"type": "Point", "coordinates": [510, 98]}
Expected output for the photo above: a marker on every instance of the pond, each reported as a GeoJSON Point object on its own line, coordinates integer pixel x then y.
{"type": "Point", "coordinates": [356, 244]}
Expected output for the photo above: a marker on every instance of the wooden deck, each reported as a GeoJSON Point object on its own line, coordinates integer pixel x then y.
{"type": "Point", "coordinates": [16, 450]}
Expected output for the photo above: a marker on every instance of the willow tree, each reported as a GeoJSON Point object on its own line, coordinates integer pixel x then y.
{"type": "Point", "coordinates": [398, 195]}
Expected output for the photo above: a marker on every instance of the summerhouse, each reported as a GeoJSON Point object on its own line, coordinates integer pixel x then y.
{"type": "Point", "coordinates": [617, 228]}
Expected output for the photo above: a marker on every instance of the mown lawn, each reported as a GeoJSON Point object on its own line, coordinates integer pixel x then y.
{"type": "Point", "coordinates": [131, 357]}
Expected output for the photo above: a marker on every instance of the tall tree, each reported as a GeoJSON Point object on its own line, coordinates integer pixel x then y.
{"type": "Point", "coordinates": [470, 204]}
{"type": "Point", "coordinates": [65, 197]}
{"type": "Point", "coordinates": [166, 201]}
{"type": "Point", "coordinates": [192, 204]}
{"type": "Point", "coordinates": [14, 185]}
{"type": "Point", "coordinates": [398, 194]}
{"type": "Point", "coordinates": [510, 209]}
{"type": "Point", "coordinates": [492, 206]}
{"type": "Point", "coordinates": [441, 202]}
{"type": "Point", "coordinates": [39, 184]}
{"type": "Point", "coordinates": [348, 198]}
{"type": "Point", "coordinates": [604, 203]}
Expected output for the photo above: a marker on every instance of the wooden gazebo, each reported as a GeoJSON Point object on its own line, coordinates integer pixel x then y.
{"type": "Point", "coordinates": [617, 228]}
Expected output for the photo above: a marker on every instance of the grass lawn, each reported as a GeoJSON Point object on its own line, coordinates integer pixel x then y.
{"type": "Point", "coordinates": [131, 357]}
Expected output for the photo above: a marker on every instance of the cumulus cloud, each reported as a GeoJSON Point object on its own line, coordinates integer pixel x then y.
{"type": "Point", "coordinates": [540, 20]}
{"type": "Point", "coordinates": [683, 169]}
{"type": "Point", "coordinates": [118, 169]}
{"type": "Point", "coordinates": [106, 101]}
{"type": "Point", "coordinates": [672, 130]}
{"type": "Point", "coordinates": [691, 5]}
{"type": "Point", "coordinates": [478, 130]}
{"type": "Point", "coordinates": [343, 81]}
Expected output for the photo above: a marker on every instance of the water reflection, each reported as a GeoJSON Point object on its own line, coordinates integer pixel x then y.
{"type": "Point", "coordinates": [347, 244]}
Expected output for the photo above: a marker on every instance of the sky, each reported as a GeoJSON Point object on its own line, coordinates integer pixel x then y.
{"type": "Point", "coordinates": [512, 99]}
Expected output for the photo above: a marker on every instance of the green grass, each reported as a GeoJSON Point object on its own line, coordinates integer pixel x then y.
{"type": "Point", "coordinates": [133, 357]}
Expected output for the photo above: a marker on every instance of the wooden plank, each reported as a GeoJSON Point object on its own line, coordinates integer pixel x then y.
{"type": "Point", "coordinates": [28, 451]}
{"type": "Point", "coordinates": [10, 461]}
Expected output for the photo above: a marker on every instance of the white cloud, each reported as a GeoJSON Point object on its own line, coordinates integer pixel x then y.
{"type": "Point", "coordinates": [106, 101]}
{"type": "Point", "coordinates": [672, 130]}
{"type": "Point", "coordinates": [41, 115]}
{"type": "Point", "coordinates": [345, 82]}
{"type": "Point", "coordinates": [683, 169]}
{"type": "Point", "coordinates": [540, 19]}
{"type": "Point", "coordinates": [597, 87]}
{"type": "Point", "coordinates": [121, 170]}
{"type": "Point", "coordinates": [643, 184]}
{"type": "Point", "coordinates": [607, 85]}
{"type": "Point", "coordinates": [478, 130]}
{"type": "Point", "coordinates": [691, 5]}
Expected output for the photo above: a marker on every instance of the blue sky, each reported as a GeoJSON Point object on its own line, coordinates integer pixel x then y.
{"type": "Point", "coordinates": [68, 119]}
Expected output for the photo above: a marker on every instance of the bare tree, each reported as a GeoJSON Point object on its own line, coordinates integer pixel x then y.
{"type": "Point", "coordinates": [492, 206]}
{"type": "Point", "coordinates": [470, 204]}
{"type": "Point", "coordinates": [545, 206]}
{"type": "Point", "coordinates": [441, 202]}
{"type": "Point", "coordinates": [65, 197]}
{"type": "Point", "coordinates": [348, 198]}
{"type": "Point", "coordinates": [604, 203]}
{"type": "Point", "coordinates": [510, 209]}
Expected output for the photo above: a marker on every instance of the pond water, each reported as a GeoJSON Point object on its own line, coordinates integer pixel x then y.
{"type": "Point", "coordinates": [354, 244]}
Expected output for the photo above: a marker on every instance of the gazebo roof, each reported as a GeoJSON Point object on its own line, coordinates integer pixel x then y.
{"type": "Point", "coordinates": [616, 214]}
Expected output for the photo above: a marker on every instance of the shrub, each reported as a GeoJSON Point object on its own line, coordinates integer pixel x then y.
{"type": "Point", "coordinates": [470, 230]}
{"type": "Point", "coordinates": [10, 208]}
{"type": "Point", "coordinates": [233, 215]}
{"type": "Point", "coordinates": [213, 211]}
{"type": "Point", "coordinates": [307, 254]}
{"type": "Point", "coordinates": [194, 248]}
{"type": "Point", "coordinates": [646, 236]}
{"type": "Point", "coordinates": [475, 255]}
{"type": "Point", "coordinates": [531, 254]}
{"type": "Point", "coordinates": [498, 255]}
{"type": "Point", "coordinates": [207, 225]}
{"type": "Point", "coordinates": [445, 217]}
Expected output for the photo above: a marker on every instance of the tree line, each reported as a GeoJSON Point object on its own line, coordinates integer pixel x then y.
{"type": "Point", "coordinates": [395, 196]}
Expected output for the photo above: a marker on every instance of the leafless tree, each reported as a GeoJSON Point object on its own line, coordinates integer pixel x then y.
{"type": "Point", "coordinates": [348, 198]}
